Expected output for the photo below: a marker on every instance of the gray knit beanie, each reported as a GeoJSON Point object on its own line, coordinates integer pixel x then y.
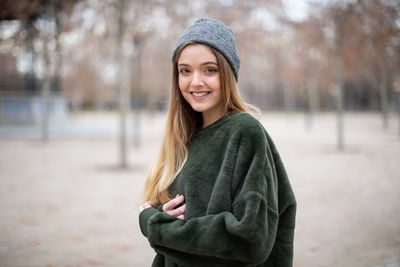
{"type": "Point", "coordinates": [215, 34]}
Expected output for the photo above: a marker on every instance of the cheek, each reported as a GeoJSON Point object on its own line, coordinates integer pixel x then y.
{"type": "Point", "coordinates": [182, 84]}
{"type": "Point", "coordinates": [216, 84]}
{"type": "Point", "coordinates": [183, 88]}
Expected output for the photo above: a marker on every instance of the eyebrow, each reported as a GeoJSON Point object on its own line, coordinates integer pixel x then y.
{"type": "Point", "coordinates": [202, 64]}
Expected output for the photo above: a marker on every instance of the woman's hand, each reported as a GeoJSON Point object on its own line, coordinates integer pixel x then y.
{"type": "Point", "coordinates": [145, 205]}
{"type": "Point", "coordinates": [171, 207]}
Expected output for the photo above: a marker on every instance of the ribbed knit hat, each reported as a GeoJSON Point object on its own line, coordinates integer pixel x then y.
{"type": "Point", "coordinates": [215, 34]}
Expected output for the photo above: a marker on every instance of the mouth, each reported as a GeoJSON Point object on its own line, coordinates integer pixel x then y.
{"type": "Point", "coordinates": [200, 95]}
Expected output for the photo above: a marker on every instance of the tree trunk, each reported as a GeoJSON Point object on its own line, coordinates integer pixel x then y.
{"type": "Point", "coordinates": [339, 107]}
{"type": "Point", "coordinates": [58, 55]}
{"type": "Point", "coordinates": [30, 76]}
{"type": "Point", "coordinates": [138, 100]}
{"type": "Point", "coordinates": [122, 88]}
{"type": "Point", "coordinates": [398, 108]}
{"type": "Point", "coordinates": [46, 86]}
{"type": "Point", "coordinates": [383, 92]}
{"type": "Point", "coordinates": [308, 119]}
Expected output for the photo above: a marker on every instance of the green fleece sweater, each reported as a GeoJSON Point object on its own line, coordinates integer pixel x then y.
{"type": "Point", "coordinates": [240, 207]}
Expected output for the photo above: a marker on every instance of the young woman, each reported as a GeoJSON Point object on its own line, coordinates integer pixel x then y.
{"type": "Point", "coordinates": [218, 195]}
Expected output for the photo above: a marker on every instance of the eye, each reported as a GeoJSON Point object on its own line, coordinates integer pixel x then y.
{"type": "Point", "coordinates": [211, 70]}
{"type": "Point", "coordinates": [184, 71]}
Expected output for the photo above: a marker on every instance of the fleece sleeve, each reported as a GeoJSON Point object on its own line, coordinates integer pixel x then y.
{"type": "Point", "coordinates": [245, 235]}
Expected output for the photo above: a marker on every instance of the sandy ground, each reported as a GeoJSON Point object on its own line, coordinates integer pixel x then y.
{"type": "Point", "coordinates": [66, 202]}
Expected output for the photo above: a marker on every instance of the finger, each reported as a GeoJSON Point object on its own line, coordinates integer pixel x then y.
{"type": "Point", "coordinates": [181, 217]}
{"type": "Point", "coordinates": [178, 211]}
{"type": "Point", "coordinates": [143, 207]}
{"type": "Point", "coordinates": [149, 203]}
{"type": "Point", "coordinates": [170, 205]}
{"type": "Point", "coordinates": [182, 209]}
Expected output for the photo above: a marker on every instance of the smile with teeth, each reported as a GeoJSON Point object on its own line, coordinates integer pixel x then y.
{"type": "Point", "coordinates": [200, 94]}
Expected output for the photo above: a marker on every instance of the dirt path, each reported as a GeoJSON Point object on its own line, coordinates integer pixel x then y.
{"type": "Point", "coordinates": [66, 203]}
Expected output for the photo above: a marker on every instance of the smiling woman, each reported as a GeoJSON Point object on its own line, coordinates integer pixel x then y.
{"type": "Point", "coordinates": [212, 196]}
{"type": "Point", "coordinates": [200, 82]}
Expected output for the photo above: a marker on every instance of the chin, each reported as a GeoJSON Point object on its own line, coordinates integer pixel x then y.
{"type": "Point", "coordinates": [199, 109]}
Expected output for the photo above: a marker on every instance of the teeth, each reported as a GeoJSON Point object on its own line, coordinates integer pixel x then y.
{"type": "Point", "coordinates": [198, 94]}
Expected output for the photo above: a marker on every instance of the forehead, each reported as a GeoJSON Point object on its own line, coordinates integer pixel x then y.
{"type": "Point", "coordinates": [197, 53]}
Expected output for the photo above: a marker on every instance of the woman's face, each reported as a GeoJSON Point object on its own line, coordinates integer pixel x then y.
{"type": "Point", "coordinates": [200, 81]}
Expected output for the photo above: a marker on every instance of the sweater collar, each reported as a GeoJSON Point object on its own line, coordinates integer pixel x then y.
{"type": "Point", "coordinates": [216, 123]}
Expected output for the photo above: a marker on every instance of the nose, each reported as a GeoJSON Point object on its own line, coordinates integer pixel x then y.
{"type": "Point", "coordinates": [197, 80]}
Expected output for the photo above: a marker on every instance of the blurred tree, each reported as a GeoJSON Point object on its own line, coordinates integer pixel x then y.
{"type": "Point", "coordinates": [380, 33]}
{"type": "Point", "coordinates": [357, 38]}
{"type": "Point", "coordinates": [123, 88]}
{"type": "Point", "coordinates": [29, 13]}
{"type": "Point", "coordinates": [286, 64]}
{"type": "Point", "coordinates": [341, 17]}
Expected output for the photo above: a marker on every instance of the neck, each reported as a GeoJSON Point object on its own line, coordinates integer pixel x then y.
{"type": "Point", "coordinates": [211, 117]}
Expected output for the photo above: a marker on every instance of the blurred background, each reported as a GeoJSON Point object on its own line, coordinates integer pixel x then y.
{"type": "Point", "coordinates": [84, 89]}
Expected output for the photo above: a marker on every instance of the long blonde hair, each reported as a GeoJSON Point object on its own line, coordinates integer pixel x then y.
{"type": "Point", "coordinates": [182, 123]}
